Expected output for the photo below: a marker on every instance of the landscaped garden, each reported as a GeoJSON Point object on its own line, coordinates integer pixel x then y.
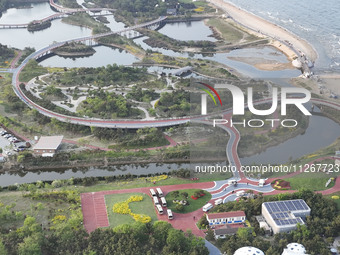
{"type": "Point", "coordinates": [128, 208]}
{"type": "Point", "coordinates": [187, 200]}
{"type": "Point", "coordinates": [280, 184]}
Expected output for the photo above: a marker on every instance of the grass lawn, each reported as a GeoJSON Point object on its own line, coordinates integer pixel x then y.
{"type": "Point", "coordinates": [228, 32]}
{"type": "Point", "coordinates": [143, 207]}
{"type": "Point", "coordinates": [139, 183]}
{"type": "Point", "coordinates": [312, 181]}
{"type": "Point", "coordinates": [193, 204]}
{"type": "Point", "coordinates": [337, 201]}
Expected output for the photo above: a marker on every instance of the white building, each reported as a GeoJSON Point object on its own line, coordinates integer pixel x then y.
{"type": "Point", "coordinates": [283, 216]}
{"type": "Point", "coordinates": [248, 251]}
{"type": "Point", "coordinates": [226, 218]}
{"type": "Point", "coordinates": [47, 146]}
{"type": "Point", "coordinates": [294, 249]}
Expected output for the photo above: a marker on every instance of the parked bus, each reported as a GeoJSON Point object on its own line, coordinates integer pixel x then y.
{"type": "Point", "coordinates": [163, 201]}
{"type": "Point", "coordinates": [159, 209]}
{"type": "Point", "coordinates": [160, 192]}
{"type": "Point", "coordinates": [155, 201]}
{"type": "Point", "coordinates": [153, 193]}
{"type": "Point", "coordinates": [170, 216]}
{"type": "Point", "coordinates": [207, 207]}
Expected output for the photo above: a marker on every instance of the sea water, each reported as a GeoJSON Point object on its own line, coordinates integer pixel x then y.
{"type": "Point", "coordinates": [316, 21]}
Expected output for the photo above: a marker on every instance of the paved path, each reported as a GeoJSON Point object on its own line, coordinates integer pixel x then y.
{"type": "Point", "coordinates": [16, 59]}
{"type": "Point", "coordinates": [213, 250]}
{"type": "Point", "coordinates": [6, 70]}
{"type": "Point", "coordinates": [242, 186]}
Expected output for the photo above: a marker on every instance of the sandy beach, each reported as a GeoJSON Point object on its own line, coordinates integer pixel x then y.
{"type": "Point", "coordinates": [264, 28]}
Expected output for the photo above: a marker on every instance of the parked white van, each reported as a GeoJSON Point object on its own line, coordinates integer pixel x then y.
{"type": "Point", "coordinates": [160, 192]}
{"type": "Point", "coordinates": [163, 201]}
{"type": "Point", "coordinates": [153, 193]}
{"type": "Point", "coordinates": [155, 200]}
{"type": "Point", "coordinates": [207, 207]}
{"type": "Point", "coordinates": [218, 201]}
{"type": "Point", "coordinates": [159, 209]}
{"type": "Point", "coordinates": [240, 193]}
{"type": "Point", "coordinates": [170, 215]}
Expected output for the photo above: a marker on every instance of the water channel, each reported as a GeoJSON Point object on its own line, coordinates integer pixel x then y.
{"type": "Point", "coordinates": [320, 133]}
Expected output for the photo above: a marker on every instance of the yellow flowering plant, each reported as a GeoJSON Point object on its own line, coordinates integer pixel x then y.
{"type": "Point", "coordinates": [123, 208]}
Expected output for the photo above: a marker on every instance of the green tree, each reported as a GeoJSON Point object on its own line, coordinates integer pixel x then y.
{"type": "Point", "coordinates": [176, 242]}
{"type": "Point", "coordinates": [3, 250]}
{"type": "Point", "coordinates": [175, 193]}
{"type": "Point", "coordinates": [30, 227]}
{"type": "Point", "coordinates": [179, 207]}
{"type": "Point", "coordinates": [30, 246]}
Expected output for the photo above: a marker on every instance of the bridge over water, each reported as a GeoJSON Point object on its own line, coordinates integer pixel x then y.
{"type": "Point", "coordinates": [62, 12]}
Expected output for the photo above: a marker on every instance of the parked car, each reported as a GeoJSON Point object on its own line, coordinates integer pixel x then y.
{"type": "Point", "coordinates": [8, 136]}
{"type": "Point", "coordinates": [3, 132]}
{"type": "Point", "coordinates": [19, 149]}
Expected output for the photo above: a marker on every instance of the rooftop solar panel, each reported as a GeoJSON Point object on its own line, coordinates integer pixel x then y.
{"type": "Point", "coordinates": [275, 208]}
{"type": "Point", "coordinates": [297, 204]}
{"type": "Point", "coordinates": [304, 205]}
{"type": "Point", "coordinates": [284, 206]}
{"type": "Point", "coordinates": [290, 206]}
{"type": "Point", "coordinates": [267, 205]}
{"type": "Point", "coordinates": [281, 211]}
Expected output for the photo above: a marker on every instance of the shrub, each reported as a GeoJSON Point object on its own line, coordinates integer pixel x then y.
{"type": "Point", "coordinates": [179, 207]}
{"type": "Point", "coordinates": [203, 222]}
{"type": "Point", "coordinates": [12, 187]}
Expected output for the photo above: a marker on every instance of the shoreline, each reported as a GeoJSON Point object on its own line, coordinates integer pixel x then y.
{"type": "Point", "coordinates": [279, 35]}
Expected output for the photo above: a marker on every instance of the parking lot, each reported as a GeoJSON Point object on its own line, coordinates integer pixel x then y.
{"type": "Point", "coordinates": [4, 143]}
{"type": "Point", "coordinates": [10, 143]}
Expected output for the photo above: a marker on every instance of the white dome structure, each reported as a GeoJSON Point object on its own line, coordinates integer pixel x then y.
{"type": "Point", "coordinates": [294, 249]}
{"type": "Point", "coordinates": [248, 251]}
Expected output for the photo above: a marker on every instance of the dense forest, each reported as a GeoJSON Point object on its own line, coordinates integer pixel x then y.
{"type": "Point", "coordinates": [321, 226]}
{"type": "Point", "coordinates": [100, 76]}
{"type": "Point", "coordinates": [145, 8]}
{"type": "Point", "coordinates": [107, 105]}
{"type": "Point", "coordinates": [175, 104]}
{"type": "Point", "coordinates": [142, 95]}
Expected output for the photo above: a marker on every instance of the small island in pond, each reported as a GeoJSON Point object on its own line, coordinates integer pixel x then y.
{"type": "Point", "coordinates": [37, 26]}
{"type": "Point", "coordinates": [74, 50]}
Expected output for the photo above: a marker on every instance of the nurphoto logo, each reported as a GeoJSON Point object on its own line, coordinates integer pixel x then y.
{"type": "Point", "coordinates": [287, 96]}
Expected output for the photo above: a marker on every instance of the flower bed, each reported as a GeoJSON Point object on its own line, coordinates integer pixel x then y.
{"type": "Point", "coordinates": [158, 178]}
{"type": "Point", "coordinates": [198, 194]}
{"type": "Point", "coordinates": [280, 184]}
{"type": "Point", "coordinates": [123, 208]}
